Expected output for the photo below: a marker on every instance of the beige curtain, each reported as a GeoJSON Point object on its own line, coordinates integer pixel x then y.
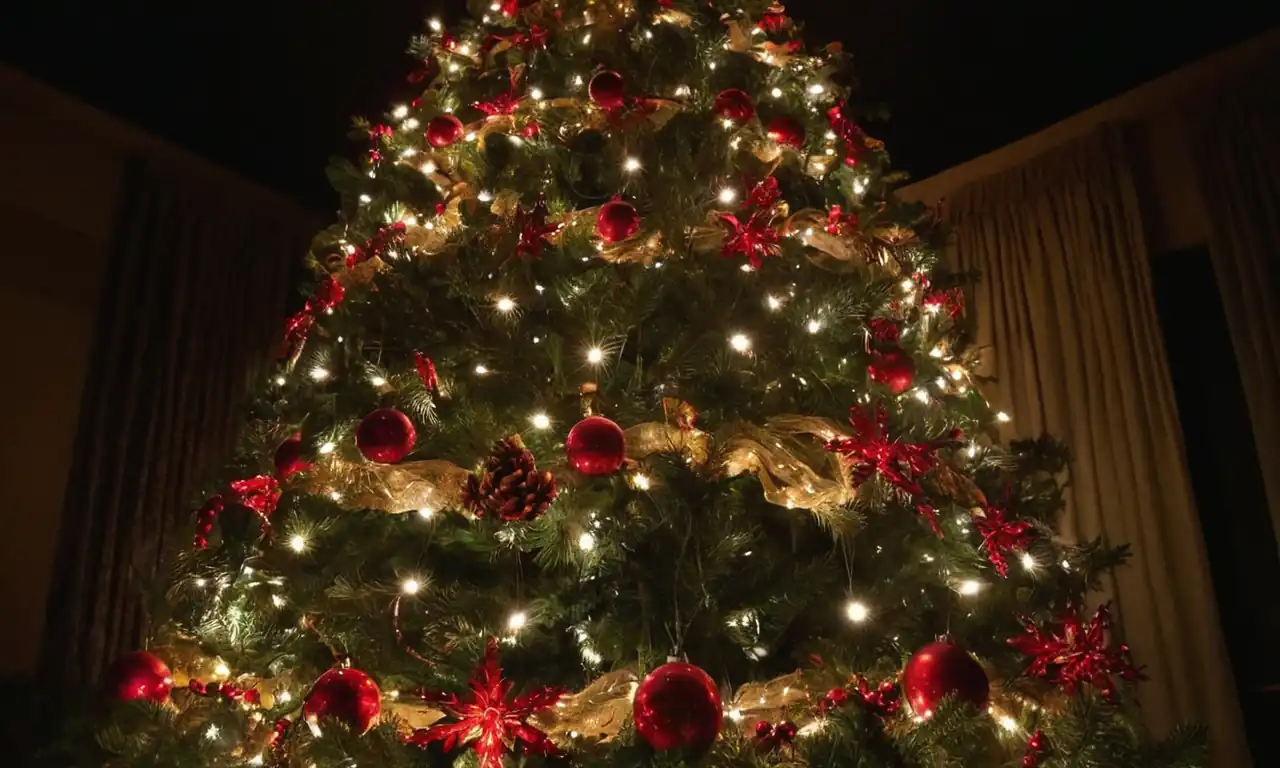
{"type": "Point", "coordinates": [1066, 304]}
{"type": "Point", "coordinates": [1237, 140]}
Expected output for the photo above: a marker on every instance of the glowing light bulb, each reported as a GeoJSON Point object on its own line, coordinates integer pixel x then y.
{"type": "Point", "coordinates": [577, 80]}
{"type": "Point", "coordinates": [410, 586]}
{"type": "Point", "coordinates": [969, 587]}
{"type": "Point", "coordinates": [776, 93]}
{"type": "Point", "coordinates": [327, 448]}
{"type": "Point", "coordinates": [222, 670]}
{"type": "Point", "coordinates": [284, 697]}
{"type": "Point", "coordinates": [536, 94]}
{"type": "Point", "coordinates": [280, 381]}
{"type": "Point", "coordinates": [586, 542]}
{"type": "Point", "coordinates": [814, 325]}
{"type": "Point", "coordinates": [908, 285]}
{"type": "Point", "coordinates": [319, 374]}
{"type": "Point", "coordinates": [595, 355]}
{"type": "Point", "coordinates": [682, 90]}
{"type": "Point", "coordinates": [278, 601]}
{"type": "Point", "coordinates": [540, 421]}
{"type": "Point", "coordinates": [648, 34]}
{"type": "Point", "coordinates": [428, 167]}
{"type": "Point", "coordinates": [727, 195]}
{"type": "Point", "coordinates": [517, 621]}
{"type": "Point", "coordinates": [856, 611]}
{"type": "Point", "coordinates": [505, 304]}
{"type": "Point", "coordinates": [411, 123]}
{"type": "Point", "coordinates": [740, 342]}
{"type": "Point", "coordinates": [773, 302]}
{"type": "Point", "coordinates": [377, 381]}
{"type": "Point", "coordinates": [816, 89]}
{"type": "Point", "coordinates": [727, 123]}
{"type": "Point", "coordinates": [435, 25]}
{"type": "Point", "coordinates": [1007, 723]}
{"type": "Point", "coordinates": [366, 199]}
{"type": "Point", "coordinates": [921, 394]}
{"type": "Point", "coordinates": [631, 165]}
{"type": "Point", "coordinates": [470, 136]}
{"type": "Point", "coordinates": [1028, 561]}
{"type": "Point", "coordinates": [400, 112]}
{"type": "Point", "coordinates": [484, 196]}
{"type": "Point", "coordinates": [641, 481]}
{"type": "Point", "coordinates": [426, 513]}
{"type": "Point", "coordinates": [1003, 417]}
{"type": "Point", "coordinates": [298, 543]}
{"type": "Point", "coordinates": [481, 370]}
{"type": "Point", "coordinates": [211, 732]}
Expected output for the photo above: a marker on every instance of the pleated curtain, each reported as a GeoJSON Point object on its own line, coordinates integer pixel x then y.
{"type": "Point", "coordinates": [1065, 303]}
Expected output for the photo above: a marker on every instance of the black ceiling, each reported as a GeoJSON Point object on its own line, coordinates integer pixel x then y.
{"type": "Point", "coordinates": [267, 87]}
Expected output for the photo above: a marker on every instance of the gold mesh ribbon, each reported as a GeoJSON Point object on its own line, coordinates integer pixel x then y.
{"type": "Point", "coordinates": [598, 711]}
{"type": "Point", "coordinates": [394, 488]}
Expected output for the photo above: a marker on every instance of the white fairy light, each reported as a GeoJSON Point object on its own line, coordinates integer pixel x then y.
{"type": "Point", "coordinates": [773, 302]}
{"type": "Point", "coordinates": [410, 586]}
{"type": "Point", "coordinates": [856, 611]}
{"type": "Point", "coordinates": [814, 325]}
{"type": "Point", "coordinates": [428, 167]}
{"type": "Point", "coordinates": [505, 304]}
{"type": "Point", "coordinates": [400, 112]}
{"type": "Point", "coordinates": [631, 165]}
{"type": "Point", "coordinates": [298, 542]}
{"type": "Point", "coordinates": [327, 448]}
{"type": "Point", "coordinates": [366, 199]}
{"type": "Point", "coordinates": [727, 122]}
{"type": "Point", "coordinates": [284, 697]}
{"type": "Point", "coordinates": [595, 355]}
{"type": "Point", "coordinates": [1028, 561]}
{"type": "Point", "coordinates": [481, 369]}
{"type": "Point", "coordinates": [435, 25]}
{"type": "Point", "coordinates": [776, 93]}
{"type": "Point", "coordinates": [426, 513]}
{"type": "Point", "coordinates": [221, 670]}
{"type": "Point", "coordinates": [586, 542]}
{"type": "Point", "coordinates": [740, 342]}
{"type": "Point", "coordinates": [280, 381]}
{"type": "Point", "coordinates": [908, 285]}
{"type": "Point", "coordinates": [485, 196]}
{"type": "Point", "coordinates": [540, 421]}
{"type": "Point", "coordinates": [972, 450]}
{"type": "Point", "coordinates": [319, 374]}
{"type": "Point", "coordinates": [969, 587]}
{"type": "Point", "coordinates": [536, 94]}
{"type": "Point", "coordinates": [816, 89]}
{"type": "Point", "coordinates": [1007, 723]}
{"type": "Point", "coordinates": [641, 481]}
{"type": "Point", "coordinates": [921, 394]}
{"type": "Point", "coordinates": [278, 601]}
{"type": "Point", "coordinates": [377, 381]}
{"type": "Point", "coordinates": [727, 195]}
{"type": "Point", "coordinates": [211, 732]}
{"type": "Point", "coordinates": [1003, 417]}
{"type": "Point", "coordinates": [682, 90]}
{"type": "Point", "coordinates": [410, 124]}
{"type": "Point", "coordinates": [517, 621]}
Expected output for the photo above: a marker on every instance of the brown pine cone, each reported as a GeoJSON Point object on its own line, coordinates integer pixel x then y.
{"type": "Point", "coordinates": [509, 484]}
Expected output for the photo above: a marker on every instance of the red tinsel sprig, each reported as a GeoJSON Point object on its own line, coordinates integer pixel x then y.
{"type": "Point", "coordinates": [1077, 653]}
{"type": "Point", "coordinates": [533, 227]}
{"type": "Point", "coordinates": [883, 700]}
{"type": "Point", "coordinates": [884, 331]}
{"type": "Point", "coordinates": [504, 103]}
{"type": "Point", "coordinates": [1001, 534]}
{"type": "Point", "coordinates": [756, 237]}
{"type": "Point", "coordinates": [328, 294]}
{"type": "Point", "coordinates": [870, 451]}
{"type": "Point", "coordinates": [206, 516]}
{"type": "Point", "coordinates": [426, 371]}
{"type": "Point", "coordinates": [948, 300]}
{"type": "Point", "coordinates": [848, 132]}
{"type": "Point", "coordinates": [839, 222]}
{"type": "Point", "coordinates": [489, 719]}
{"type": "Point", "coordinates": [388, 236]}
{"type": "Point", "coordinates": [769, 738]}
{"type": "Point", "coordinates": [226, 691]}
{"type": "Point", "coordinates": [1037, 748]}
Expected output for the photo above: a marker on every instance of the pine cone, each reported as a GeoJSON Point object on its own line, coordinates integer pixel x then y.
{"type": "Point", "coordinates": [510, 486]}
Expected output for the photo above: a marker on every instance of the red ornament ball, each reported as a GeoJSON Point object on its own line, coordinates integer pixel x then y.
{"type": "Point", "coordinates": [786, 130]}
{"type": "Point", "coordinates": [386, 436]}
{"type": "Point", "coordinates": [348, 695]}
{"type": "Point", "coordinates": [894, 368]}
{"type": "Point", "coordinates": [617, 221]}
{"type": "Point", "coordinates": [443, 131]}
{"type": "Point", "coordinates": [677, 706]}
{"type": "Point", "coordinates": [595, 446]}
{"type": "Point", "coordinates": [288, 459]}
{"type": "Point", "coordinates": [943, 668]}
{"type": "Point", "coordinates": [139, 675]}
{"type": "Point", "coordinates": [734, 104]}
{"type": "Point", "coordinates": [607, 89]}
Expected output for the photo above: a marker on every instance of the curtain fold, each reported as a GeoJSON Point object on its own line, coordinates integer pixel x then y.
{"type": "Point", "coordinates": [1237, 140]}
{"type": "Point", "coordinates": [198, 285]}
{"type": "Point", "coordinates": [1066, 307]}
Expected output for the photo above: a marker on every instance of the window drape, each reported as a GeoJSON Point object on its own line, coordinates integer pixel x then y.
{"type": "Point", "coordinates": [1066, 305]}
{"type": "Point", "coordinates": [199, 281]}
{"type": "Point", "coordinates": [1237, 155]}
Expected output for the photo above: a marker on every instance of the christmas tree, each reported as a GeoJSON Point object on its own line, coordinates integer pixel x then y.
{"type": "Point", "coordinates": [628, 422]}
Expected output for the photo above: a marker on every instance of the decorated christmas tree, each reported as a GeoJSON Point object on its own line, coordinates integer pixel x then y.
{"type": "Point", "coordinates": [628, 422]}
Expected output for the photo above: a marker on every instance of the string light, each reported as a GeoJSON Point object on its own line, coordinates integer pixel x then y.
{"type": "Point", "coordinates": [335, 495]}
{"type": "Point", "coordinates": [211, 732]}
{"type": "Point", "coordinates": [319, 374]}
{"type": "Point", "coordinates": [298, 542]}
{"type": "Point", "coordinates": [776, 93]}
{"type": "Point", "coordinates": [505, 304]}
{"type": "Point", "coordinates": [284, 697]}
{"type": "Point", "coordinates": [327, 448]}
{"type": "Point", "coordinates": [773, 302]}
{"type": "Point", "coordinates": [586, 542]}
{"type": "Point", "coordinates": [481, 370]}
{"type": "Point", "coordinates": [816, 89]}
{"type": "Point", "coordinates": [426, 513]}
{"type": "Point", "coordinates": [1028, 561]}
{"type": "Point", "coordinates": [586, 39]}
{"type": "Point", "coordinates": [536, 94]}
{"type": "Point", "coordinates": [682, 90]}
{"type": "Point", "coordinates": [365, 199]}
{"type": "Point", "coordinates": [280, 381]}
{"type": "Point", "coordinates": [814, 325]}
{"type": "Point", "coordinates": [1003, 417]}
{"type": "Point", "coordinates": [517, 621]}
{"type": "Point", "coordinates": [278, 601]}
{"type": "Point", "coordinates": [727, 195]}
{"type": "Point", "coordinates": [969, 587]}
{"type": "Point", "coordinates": [640, 481]}
{"type": "Point", "coordinates": [856, 611]}
{"type": "Point", "coordinates": [221, 670]}
{"type": "Point", "coordinates": [740, 342]}
{"type": "Point", "coordinates": [435, 25]}
{"type": "Point", "coordinates": [429, 167]}
{"type": "Point", "coordinates": [377, 381]}
{"type": "Point", "coordinates": [595, 355]}
{"type": "Point", "coordinates": [400, 112]}
{"type": "Point", "coordinates": [410, 586]}
{"type": "Point", "coordinates": [908, 285]}
{"type": "Point", "coordinates": [540, 421]}
{"type": "Point", "coordinates": [485, 196]}
{"type": "Point", "coordinates": [921, 394]}
{"type": "Point", "coordinates": [631, 165]}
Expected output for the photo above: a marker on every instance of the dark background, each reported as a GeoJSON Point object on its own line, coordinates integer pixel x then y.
{"type": "Point", "coordinates": [267, 87]}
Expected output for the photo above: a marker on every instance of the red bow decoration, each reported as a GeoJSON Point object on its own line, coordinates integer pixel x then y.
{"type": "Point", "coordinates": [839, 222]}
{"type": "Point", "coordinates": [849, 132]}
{"type": "Point", "coordinates": [884, 331]}
{"type": "Point", "coordinates": [328, 295]}
{"type": "Point", "coordinates": [870, 452]}
{"type": "Point", "coordinates": [491, 721]}
{"type": "Point", "coordinates": [1077, 653]}
{"type": "Point", "coordinates": [533, 227]}
{"type": "Point", "coordinates": [260, 493]}
{"type": "Point", "coordinates": [756, 238]}
{"type": "Point", "coordinates": [770, 737]}
{"type": "Point", "coordinates": [426, 371]}
{"type": "Point", "coordinates": [205, 518]}
{"type": "Point", "coordinates": [883, 700]}
{"type": "Point", "coordinates": [505, 103]}
{"type": "Point", "coordinates": [1037, 747]}
{"type": "Point", "coordinates": [774, 19]}
{"type": "Point", "coordinates": [1001, 534]}
{"type": "Point", "coordinates": [949, 300]}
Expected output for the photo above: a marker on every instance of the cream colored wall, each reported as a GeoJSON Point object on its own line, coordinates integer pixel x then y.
{"type": "Point", "coordinates": [61, 167]}
{"type": "Point", "coordinates": [1173, 211]}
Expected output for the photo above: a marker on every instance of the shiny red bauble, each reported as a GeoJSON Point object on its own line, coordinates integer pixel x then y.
{"type": "Point", "coordinates": [386, 436]}
{"type": "Point", "coordinates": [139, 675]}
{"type": "Point", "coordinates": [617, 221]}
{"type": "Point", "coordinates": [677, 706]}
{"type": "Point", "coordinates": [786, 130]}
{"type": "Point", "coordinates": [288, 458]}
{"type": "Point", "coordinates": [894, 368]}
{"type": "Point", "coordinates": [347, 695]}
{"type": "Point", "coordinates": [734, 104]}
{"type": "Point", "coordinates": [941, 669]}
{"type": "Point", "coordinates": [607, 89]}
{"type": "Point", "coordinates": [595, 446]}
{"type": "Point", "coordinates": [443, 131]}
